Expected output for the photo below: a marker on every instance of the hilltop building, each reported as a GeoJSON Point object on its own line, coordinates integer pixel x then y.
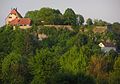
{"type": "Point", "coordinates": [107, 46]}
{"type": "Point", "coordinates": [14, 18]}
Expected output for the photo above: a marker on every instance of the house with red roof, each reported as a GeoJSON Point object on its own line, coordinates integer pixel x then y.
{"type": "Point", "coordinates": [14, 18]}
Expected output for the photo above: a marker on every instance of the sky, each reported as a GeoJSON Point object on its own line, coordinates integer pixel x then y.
{"type": "Point", "coordinates": [107, 10]}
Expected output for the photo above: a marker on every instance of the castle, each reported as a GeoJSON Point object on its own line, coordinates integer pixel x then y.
{"type": "Point", "coordinates": [14, 19]}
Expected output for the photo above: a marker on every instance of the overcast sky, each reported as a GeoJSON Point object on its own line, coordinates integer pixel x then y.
{"type": "Point", "coordinates": [108, 10]}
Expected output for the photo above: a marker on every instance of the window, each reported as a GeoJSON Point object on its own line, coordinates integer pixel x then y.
{"type": "Point", "coordinates": [10, 17]}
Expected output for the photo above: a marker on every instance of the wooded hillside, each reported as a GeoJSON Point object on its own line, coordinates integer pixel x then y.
{"type": "Point", "coordinates": [64, 56]}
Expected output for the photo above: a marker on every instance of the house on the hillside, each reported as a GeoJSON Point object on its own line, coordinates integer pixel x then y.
{"type": "Point", "coordinates": [102, 29]}
{"type": "Point", "coordinates": [14, 18]}
{"type": "Point", "coordinates": [107, 46]}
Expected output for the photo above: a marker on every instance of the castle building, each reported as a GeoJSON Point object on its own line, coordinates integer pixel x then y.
{"type": "Point", "coordinates": [14, 18]}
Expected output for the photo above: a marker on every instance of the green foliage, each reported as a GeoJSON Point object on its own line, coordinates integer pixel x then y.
{"type": "Point", "coordinates": [49, 16]}
{"type": "Point", "coordinates": [116, 27]}
{"type": "Point", "coordinates": [6, 38]}
{"type": "Point", "coordinates": [23, 42]}
{"type": "Point", "coordinates": [45, 16]}
{"type": "Point", "coordinates": [89, 22]}
{"type": "Point", "coordinates": [81, 40]}
{"type": "Point", "coordinates": [11, 72]}
{"type": "Point", "coordinates": [69, 17]}
{"type": "Point", "coordinates": [43, 67]}
{"type": "Point", "coordinates": [57, 37]}
{"type": "Point", "coordinates": [68, 78]}
{"type": "Point", "coordinates": [73, 61]}
{"type": "Point", "coordinates": [117, 64]}
{"type": "Point", "coordinates": [115, 75]}
{"type": "Point", "coordinates": [80, 19]}
{"type": "Point", "coordinates": [100, 22]}
{"type": "Point", "coordinates": [65, 57]}
{"type": "Point", "coordinates": [100, 67]}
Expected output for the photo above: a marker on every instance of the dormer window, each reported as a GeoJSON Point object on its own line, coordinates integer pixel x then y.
{"type": "Point", "coordinates": [10, 17]}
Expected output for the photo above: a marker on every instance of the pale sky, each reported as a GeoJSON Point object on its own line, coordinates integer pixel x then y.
{"type": "Point", "coordinates": [108, 10]}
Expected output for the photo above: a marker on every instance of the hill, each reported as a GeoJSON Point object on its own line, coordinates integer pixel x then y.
{"type": "Point", "coordinates": [50, 53]}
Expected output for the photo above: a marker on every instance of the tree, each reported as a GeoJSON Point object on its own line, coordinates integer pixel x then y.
{"type": "Point", "coordinates": [6, 39]}
{"type": "Point", "coordinates": [113, 54]}
{"type": "Point", "coordinates": [115, 75]}
{"type": "Point", "coordinates": [73, 61]}
{"type": "Point", "coordinates": [116, 27]}
{"type": "Point", "coordinates": [50, 16]}
{"type": "Point", "coordinates": [11, 69]}
{"type": "Point", "coordinates": [45, 16]}
{"type": "Point", "coordinates": [82, 39]}
{"type": "Point", "coordinates": [43, 67]}
{"type": "Point", "coordinates": [100, 22]}
{"type": "Point", "coordinates": [69, 17]}
{"type": "Point", "coordinates": [89, 22]}
{"type": "Point", "coordinates": [80, 19]}
{"type": "Point", "coordinates": [98, 67]}
{"type": "Point", "coordinates": [23, 42]}
{"type": "Point", "coordinates": [33, 15]}
{"type": "Point", "coordinates": [68, 78]}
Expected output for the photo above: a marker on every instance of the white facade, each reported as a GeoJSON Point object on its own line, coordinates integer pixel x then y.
{"type": "Point", "coordinates": [106, 48]}
{"type": "Point", "coordinates": [101, 45]}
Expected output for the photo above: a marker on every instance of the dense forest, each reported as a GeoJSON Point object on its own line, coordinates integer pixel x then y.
{"type": "Point", "coordinates": [64, 57]}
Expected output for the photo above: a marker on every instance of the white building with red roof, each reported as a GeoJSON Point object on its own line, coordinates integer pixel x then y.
{"type": "Point", "coordinates": [15, 19]}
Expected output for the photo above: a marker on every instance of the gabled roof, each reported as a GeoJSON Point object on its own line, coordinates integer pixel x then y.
{"type": "Point", "coordinates": [21, 21]}
{"type": "Point", "coordinates": [108, 44]}
{"type": "Point", "coordinates": [14, 22]}
{"type": "Point", "coordinates": [24, 21]}
{"type": "Point", "coordinates": [14, 11]}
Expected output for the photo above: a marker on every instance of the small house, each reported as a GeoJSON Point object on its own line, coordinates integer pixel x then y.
{"type": "Point", "coordinates": [14, 18]}
{"type": "Point", "coordinates": [107, 46]}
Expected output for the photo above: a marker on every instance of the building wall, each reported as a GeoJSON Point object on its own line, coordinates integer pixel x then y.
{"type": "Point", "coordinates": [107, 49]}
{"type": "Point", "coordinates": [100, 29]}
{"type": "Point", "coordinates": [25, 27]}
{"type": "Point", "coordinates": [13, 17]}
{"type": "Point", "coordinates": [101, 45]}
{"type": "Point", "coordinates": [8, 19]}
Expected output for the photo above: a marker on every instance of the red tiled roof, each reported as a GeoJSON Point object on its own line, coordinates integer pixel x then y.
{"type": "Point", "coordinates": [24, 21]}
{"type": "Point", "coordinates": [14, 11]}
{"type": "Point", "coordinates": [21, 21]}
{"type": "Point", "coordinates": [14, 22]}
